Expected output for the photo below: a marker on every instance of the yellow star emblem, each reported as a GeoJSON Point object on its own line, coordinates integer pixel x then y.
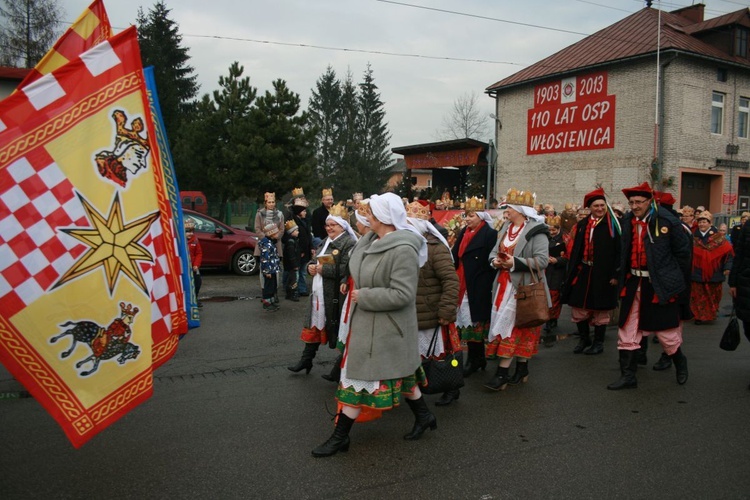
{"type": "Point", "coordinates": [113, 245]}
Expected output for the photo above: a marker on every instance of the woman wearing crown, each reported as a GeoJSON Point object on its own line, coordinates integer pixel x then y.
{"type": "Point", "coordinates": [475, 276]}
{"type": "Point", "coordinates": [522, 244]}
{"type": "Point", "coordinates": [328, 270]}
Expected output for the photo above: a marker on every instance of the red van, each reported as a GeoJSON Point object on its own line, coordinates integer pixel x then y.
{"type": "Point", "coordinates": [194, 200]}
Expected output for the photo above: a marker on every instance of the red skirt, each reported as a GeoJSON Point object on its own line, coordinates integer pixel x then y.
{"type": "Point", "coordinates": [705, 299]}
{"type": "Point", "coordinates": [523, 343]}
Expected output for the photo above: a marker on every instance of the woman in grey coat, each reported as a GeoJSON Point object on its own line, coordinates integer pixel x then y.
{"type": "Point", "coordinates": [381, 353]}
{"type": "Point", "coordinates": [522, 244]}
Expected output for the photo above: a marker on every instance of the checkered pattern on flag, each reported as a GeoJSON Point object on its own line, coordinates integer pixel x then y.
{"type": "Point", "coordinates": [91, 28]}
{"type": "Point", "coordinates": [89, 285]}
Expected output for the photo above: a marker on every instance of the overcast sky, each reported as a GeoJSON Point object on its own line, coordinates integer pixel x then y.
{"type": "Point", "coordinates": [464, 46]}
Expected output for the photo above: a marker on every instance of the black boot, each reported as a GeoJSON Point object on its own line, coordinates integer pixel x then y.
{"type": "Point", "coordinates": [549, 340]}
{"type": "Point", "coordinates": [521, 374]}
{"type": "Point", "coordinates": [424, 418]}
{"type": "Point", "coordinates": [640, 356]}
{"type": "Point", "coordinates": [475, 359]}
{"type": "Point", "coordinates": [585, 340]}
{"type": "Point", "coordinates": [598, 346]}
{"type": "Point", "coordinates": [335, 374]}
{"type": "Point", "coordinates": [664, 363]}
{"type": "Point", "coordinates": [339, 441]}
{"type": "Point", "coordinates": [500, 381]}
{"type": "Point", "coordinates": [628, 368]}
{"type": "Point", "coordinates": [294, 296]}
{"type": "Point", "coordinates": [448, 397]}
{"type": "Point", "coordinates": [308, 354]}
{"type": "Point", "coordinates": [680, 365]}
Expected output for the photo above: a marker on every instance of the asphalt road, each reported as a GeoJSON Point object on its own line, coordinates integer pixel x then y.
{"type": "Point", "coordinates": [228, 420]}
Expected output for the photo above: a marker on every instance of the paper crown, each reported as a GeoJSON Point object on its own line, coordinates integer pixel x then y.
{"type": "Point", "coordinates": [290, 226]}
{"type": "Point", "coordinates": [189, 224]}
{"type": "Point", "coordinates": [338, 210]}
{"type": "Point", "coordinates": [552, 220]}
{"type": "Point", "coordinates": [269, 197]}
{"type": "Point", "coordinates": [418, 210]}
{"type": "Point", "coordinates": [705, 214]}
{"type": "Point", "coordinates": [298, 192]}
{"type": "Point", "coordinates": [270, 229]}
{"type": "Point", "coordinates": [618, 207]}
{"type": "Point", "coordinates": [300, 202]}
{"type": "Point", "coordinates": [128, 310]}
{"type": "Point", "coordinates": [474, 204]}
{"type": "Point", "coordinates": [357, 197]}
{"type": "Point", "coordinates": [327, 192]}
{"type": "Point", "coordinates": [516, 197]}
{"type": "Point", "coordinates": [364, 208]}
{"type": "Point", "coordinates": [688, 210]}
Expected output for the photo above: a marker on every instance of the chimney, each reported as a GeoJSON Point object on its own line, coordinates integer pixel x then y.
{"type": "Point", "coordinates": [693, 13]}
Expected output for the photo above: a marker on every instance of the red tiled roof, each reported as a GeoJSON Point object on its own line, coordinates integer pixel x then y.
{"type": "Point", "coordinates": [634, 36]}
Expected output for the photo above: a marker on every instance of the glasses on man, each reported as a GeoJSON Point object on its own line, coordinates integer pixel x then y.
{"type": "Point", "coordinates": [634, 203]}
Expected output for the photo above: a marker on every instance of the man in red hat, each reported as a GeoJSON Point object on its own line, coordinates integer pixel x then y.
{"type": "Point", "coordinates": [591, 286]}
{"type": "Point", "coordinates": [655, 276]}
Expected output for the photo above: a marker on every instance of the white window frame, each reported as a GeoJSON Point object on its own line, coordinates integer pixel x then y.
{"type": "Point", "coordinates": [717, 107]}
{"type": "Point", "coordinates": [743, 118]}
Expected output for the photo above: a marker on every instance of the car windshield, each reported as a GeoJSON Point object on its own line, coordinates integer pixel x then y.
{"type": "Point", "coordinates": [203, 225]}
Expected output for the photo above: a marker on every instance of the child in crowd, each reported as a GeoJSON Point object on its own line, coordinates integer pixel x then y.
{"type": "Point", "coordinates": [292, 259]}
{"type": "Point", "coordinates": [196, 256]}
{"type": "Point", "coordinates": [269, 267]}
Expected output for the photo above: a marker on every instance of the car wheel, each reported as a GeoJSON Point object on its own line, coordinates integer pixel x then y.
{"type": "Point", "coordinates": [244, 263]}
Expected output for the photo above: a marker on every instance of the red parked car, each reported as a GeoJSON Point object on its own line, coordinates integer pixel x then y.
{"type": "Point", "coordinates": [224, 246]}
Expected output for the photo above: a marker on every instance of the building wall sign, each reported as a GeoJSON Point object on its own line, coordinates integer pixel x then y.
{"type": "Point", "coordinates": [455, 158]}
{"type": "Point", "coordinates": [573, 114]}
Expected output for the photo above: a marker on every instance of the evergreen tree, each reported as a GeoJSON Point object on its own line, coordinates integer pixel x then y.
{"type": "Point", "coordinates": [373, 136]}
{"type": "Point", "coordinates": [161, 47]}
{"type": "Point", "coordinates": [283, 143]}
{"type": "Point", "coordinates": [28, 29]}
{"type": "Point", "coordinates": [347, 179]}
{"type": "Point", "coordinates": [215, 154]}
{"type": "Point", "coordinates": [325, 116]}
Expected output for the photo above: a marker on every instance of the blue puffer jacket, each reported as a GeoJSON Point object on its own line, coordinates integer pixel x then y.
{"type": "Point", "coordinates": [668, 254]}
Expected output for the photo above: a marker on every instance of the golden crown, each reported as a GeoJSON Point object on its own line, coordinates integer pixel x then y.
{"type": "Point", "coordinates": [553, 220]}
{"type": "Point", "coordinates": [289, 225]}
{"type": "Point", "coordinates": [327, 192]}
{"type": "Point", "coordinates": [474, 204]}
{"type": "Point", "coordinates": [298, 192]}
{"type": "Point", "coordinates": [364, 208]}
{"type": "Point", "coordinates": [418, 211]}
{"type": "Point", "coordinates": [357, 196]}
{"type": "Point", "coordinates": [128, 310]}
{"type": "Point", "coordinates": [269, 197]}
{"type": "Point", "coordinates": [338, 210]}
{"type": "Point", "coordinates": [516, 197]}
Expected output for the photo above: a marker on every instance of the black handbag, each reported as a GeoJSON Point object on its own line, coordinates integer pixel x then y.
{"type": "Point", "coordinates": [445, 374]}
{"type": "Point", "coordinates": [731, 338]}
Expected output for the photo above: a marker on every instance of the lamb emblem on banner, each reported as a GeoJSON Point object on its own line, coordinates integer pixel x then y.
{"type": "Point", "coordinates": [129, 152]}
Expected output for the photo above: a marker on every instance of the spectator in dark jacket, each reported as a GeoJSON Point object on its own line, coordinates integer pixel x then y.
{"type": "Point", "coordinates": [558, 262]}
{"type": "Point", "coordinates": [739, 277]}
{"type": "Point", "coordinates": [292, 260]}
{"type": "Point", "coordinates": [305, 243]}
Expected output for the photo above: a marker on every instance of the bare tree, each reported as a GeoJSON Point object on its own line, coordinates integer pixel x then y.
{"type": "Point", "coordinates": [465, 120]}
{"type": "Point", "coordinates": [29, 28]}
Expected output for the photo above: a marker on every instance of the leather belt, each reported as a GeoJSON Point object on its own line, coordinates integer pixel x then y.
{"type": "Point", "coordinates": [641, 273]}
{"type": "Point", "coordinates": [587, 262]}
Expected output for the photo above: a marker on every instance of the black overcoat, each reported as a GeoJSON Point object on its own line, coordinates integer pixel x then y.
{"type": "Point", "coordinates": [588, 287]}
{"type": "Point", "coordinates": [739, 277]}
{"type": "Point", "coordinates": [477, 271]}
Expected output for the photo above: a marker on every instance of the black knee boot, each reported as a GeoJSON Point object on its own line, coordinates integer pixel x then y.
{"type": "Point", "coordinates": [339, 441]}
{"type": "Point", "coordinates": [308, 354]}
{"type": "Point", "coordinates": [424, 419]}
{"type": "Point", "coordinates": [476, 360]}
{"type": "Point", "coordinates": [598, 346]}
{"type": "Point", "coordinates": [628, 368]}
{"type": "Point", "coordinates": [500, 381]}
{"type": "Point", "coordinates": [448, 397]}
{"type": "Point", "coordinates": [640, 356]}
{"type": "Point", "coordinates": [680, 365]}
{"type": "Point", "coordinates": [335, 374]}
{"type": "Point", "coordinates": [585, 339]}
{"type": "Point", "coordinates": [521, 374]}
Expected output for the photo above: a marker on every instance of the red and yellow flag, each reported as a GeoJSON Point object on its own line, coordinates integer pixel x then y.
{"type": "Point", "coordinates": [90, 295]}
{"type": "Point", "coordinates": [91, 28]}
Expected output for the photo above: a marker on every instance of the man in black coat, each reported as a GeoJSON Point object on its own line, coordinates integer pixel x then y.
{"type": "Point", "coordinates": [591, 286]}
{"type": "Point", "coordinates": [739, 278]}
{"type": "Point", "coordinates": [320, 215]}
{"type": "Point", "coordinates": [655, 275]}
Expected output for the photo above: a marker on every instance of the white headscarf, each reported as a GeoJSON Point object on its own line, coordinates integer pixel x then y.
{"type": "Point", "coordinates": [389, 209]}
{"type": "Point", "coordinates": [361, 218]}
{"type": "Point", "coordinates": [341, 222]}
{"type": "Point", "coordinates": [528, 212]}
{"type": "Point", "coordinates": [425, 226]}
{"type": "Point", "coordinates": [485, 217]}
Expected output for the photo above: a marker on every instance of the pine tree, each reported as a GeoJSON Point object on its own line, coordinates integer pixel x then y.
{"type": "Point", "coordinates": [373, 136]}
{"type": "Point", "coordinates": [325, 117]}
{"type": "Point", "coordinates": [161, 47]}
{"type": "Point", "coordinates": [28, 29]}
{"type": "Point", "coordinates": [347, 179]}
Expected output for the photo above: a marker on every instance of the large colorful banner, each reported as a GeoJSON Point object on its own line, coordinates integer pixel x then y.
{"type": "Point", "coordinates": [573, 114]}
{"type": "Point", "coordinates": [90, 294]}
